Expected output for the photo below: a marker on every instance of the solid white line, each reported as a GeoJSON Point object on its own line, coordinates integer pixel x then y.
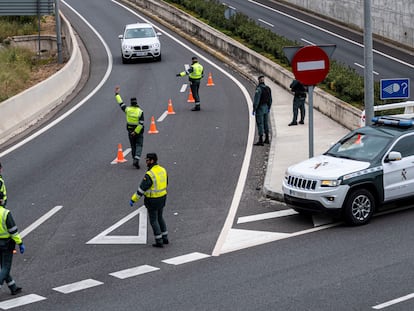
{"type": "Point", "coordinates": [21, 301]}
{"type": "Point", "coordinates": [81, 103]}
{"type": "Point", "coordinates": [183, 88]}
{"type": "Point", "coordinates": [393, 302]}
{"type": "Point", "coordinates": [77, 286]}
{"type": "Point", "coordinates": [127, 273]}
{"type": "Point", "coordinates": [311, 65]}
{"type": "Point", "coordinates": [163, 116]}
{"type": "Point", "coordinates": [331, 33]}
{"type": "Point", "coordinates": [267, 23]}
{"type": "Point", "coordinates": [263, 216]}
{"type": "Point", "coordinates": [185, 258]}
{"type": "Point", "coordinates": [41, 220]}
{"type": "Point", "coordinates": [363, 67]}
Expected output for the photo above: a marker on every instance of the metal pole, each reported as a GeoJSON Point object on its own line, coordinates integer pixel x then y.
{"type": "Point", "coordinates": [58, 32]}
{"type": "Point", "coordinates": [38, 28]}
{"type": "Point", "coordinates": [369, 65]}
{"type": "Point", "coordinates": [310, 94]}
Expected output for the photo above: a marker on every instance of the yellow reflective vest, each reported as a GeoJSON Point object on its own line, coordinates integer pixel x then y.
{"type": "Point", "coordinates": [133, 114]}
{"type": "Point", "coordinates": [5, 232]}
{"type": "Point", "coordinates": [158, 175]}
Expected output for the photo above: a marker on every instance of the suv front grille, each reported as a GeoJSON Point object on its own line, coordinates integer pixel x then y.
{"type": "Point", "coordinates": [141, 47]}
{"type": "Point", "coordinates": [301, 183]}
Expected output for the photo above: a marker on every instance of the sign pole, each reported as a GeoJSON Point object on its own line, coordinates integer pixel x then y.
{"type": "Point", "coordinates": [58, 32]}
{"type": "Point", "coordinates": [310, 101]}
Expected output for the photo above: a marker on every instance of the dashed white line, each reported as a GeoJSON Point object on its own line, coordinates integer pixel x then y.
{"type": "Point", "coordinates": [125, 153]}
{"type": "Point", "coordinates": [127, 273]}
{"type": "Point", "coordinates": [77, 286]}
{"type": "Point", "coordinates": [163, 116]}
{"type": "Point", "coordinates": [183, 88]}
{"type": "Point", "coordinates": [393, 302]}
{"type": "Point", "coordinates": [267, 23]}
{"type": "Point", "coordinates": [363, 67]}
{"type": "Point", "coordinates": [21, 301]}
{"type": "Point", "coordinates": [185, 258]}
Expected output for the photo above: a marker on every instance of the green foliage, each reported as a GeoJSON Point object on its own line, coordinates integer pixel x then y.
{"type": "Point", "coordinates": [342, 81]}
{"type": "Point", "coordinates": [17, 26]}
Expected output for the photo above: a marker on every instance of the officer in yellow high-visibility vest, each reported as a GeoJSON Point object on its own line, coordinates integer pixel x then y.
{"type": "Point", "coordinates": [9, 237]}
{"type": "Point", "coordinates": [3, 187]}
{"type": "Point", "coordinates": [154, 188]}
{"type": "Point", "coordinates": [135, 125]}
{"type": "Point", "coordinates": [195, 73]}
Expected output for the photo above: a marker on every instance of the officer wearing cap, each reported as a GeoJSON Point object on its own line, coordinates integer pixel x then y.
{"type": "Point", "coordinates": [135, 126]}
{"type": "Point", "coordinates": [3, 187]}
{"type": "Point", "coordinates": [154, 188]}
{"type": "Point", "coordinates": [195, 73]}
{"type": "Point", "coordinates": [9, 237]}
{"type": "Point", "coordinates": [261, 106]}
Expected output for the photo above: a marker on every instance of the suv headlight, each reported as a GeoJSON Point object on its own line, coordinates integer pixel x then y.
{"type": "Point", "coordinates": [330, 183]}
{"type": "Point", "coordinates": [156, 45]}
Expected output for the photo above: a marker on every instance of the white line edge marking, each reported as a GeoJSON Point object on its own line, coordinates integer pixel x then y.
{"type": "Point", "coordinates": [183, 88]}
{"type": "Point", "coordinates": [20, 301]}
{"type": "Point", "coordinates": [249, 145]}
{"type": "Point", "coordinates": [331, 33]}
{"type": "Point", "coordinates": [363, 67]}
{"type": "Point", "coordinates": [77, 286]}
{"type": "Point", "coordinates": [41, 220]}
{"type": "Point", "coordinates": [270, 215]}
{"type": "Point", "coordinates": [307, 41]}
{"type": "Point", "coordinates": [264, 22]}
{"type": "Point", "coordinates": [393, 302]}
{"type": "Point", "coordinates": [128, 273]}
{"type": "Point", "coordinates": [185, 258]}
{"type": "Point", "coordinates": [82, 102]}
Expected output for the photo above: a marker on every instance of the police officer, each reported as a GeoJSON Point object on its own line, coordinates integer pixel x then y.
{"type": "Point", "coordinates": [3, 187]}
{"type": "Point", "coordinates": [298, 102]}
{"type": "Point", "coordinates": [135, 126]}
{"type": "Point", "coordinates": [261, 107]}
{"type": "Point", "coordinates": [154, 188]}
{"type": "Point", "coordinates": [9, 236]}
{"type": "Point", "coordinates": [195, 73]}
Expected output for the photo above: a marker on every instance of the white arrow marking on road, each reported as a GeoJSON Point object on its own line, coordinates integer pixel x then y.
{"type": "Point", "coordinates": [141, 238]}
{"type": "Point", "coordinates": [312, 65]}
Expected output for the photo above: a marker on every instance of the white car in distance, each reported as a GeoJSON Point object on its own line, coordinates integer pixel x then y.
{"type": "Point", "coordinates": [140, 41]}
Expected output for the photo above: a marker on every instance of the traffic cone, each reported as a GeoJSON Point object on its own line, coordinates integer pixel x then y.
{"type": "Point", "coordinates": [190, 97]}
{"type": "Point", "coordinates": [153, 128]}
{"type": "Point", "coordinates": [210, 80]}
{"type": "Point", "coordinates": [120, 157]}
{"type": "Point", "coordinates": [358, 141]}
{"type": "Point", "coordinates": [170, 107]}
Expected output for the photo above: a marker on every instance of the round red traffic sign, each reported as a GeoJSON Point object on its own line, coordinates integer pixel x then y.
{"type": "Point", "coordinates": [310, 65]}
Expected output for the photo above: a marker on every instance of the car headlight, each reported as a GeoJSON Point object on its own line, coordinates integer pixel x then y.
{"type": "Point", "coordinates": [156, 45]}
{"type": "Point", "coordinates": [330, 183]}
{"type": "Point", "coordinates": [127, 47]}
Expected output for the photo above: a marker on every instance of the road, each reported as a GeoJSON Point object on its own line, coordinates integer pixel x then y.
{"type": "Point", "coordinates": [390, 62]}
{"type": "Point", "coordinates": [65, 175]}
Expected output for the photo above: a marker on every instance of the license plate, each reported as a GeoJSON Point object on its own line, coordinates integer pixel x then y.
{"type": "Point", "coordinates": [140, 53]}
{"type": "Point", "coordinates": [297, 194]}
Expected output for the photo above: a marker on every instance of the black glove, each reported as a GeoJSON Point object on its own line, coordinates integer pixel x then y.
{"type": "Point", "coordinates": [177, 75]}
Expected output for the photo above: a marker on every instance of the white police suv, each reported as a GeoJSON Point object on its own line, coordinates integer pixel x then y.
{"type": "Point", "coordinates": [363, 172]}
{"type": "Point", "coordinates": [140, 41]}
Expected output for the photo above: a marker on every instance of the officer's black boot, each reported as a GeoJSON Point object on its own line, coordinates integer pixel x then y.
{"type": "Point", "coordinates": [196, 107]}
{"type": "Point", "coordinates": [267, 141]}
{"type": "Point", "coordinates": [14, 289]}
{"type": "Point", "coordinates": [260, 142]}
{"type": "Point", "coordinates": [158, 243]}
{"type": "Point", "coordinates": [136, 163]}
{"type": "Point", "coordinates": [165, 239]}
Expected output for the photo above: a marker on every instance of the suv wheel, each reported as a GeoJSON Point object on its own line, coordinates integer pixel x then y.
{"type": "Point", "coordinates": [359, 207]}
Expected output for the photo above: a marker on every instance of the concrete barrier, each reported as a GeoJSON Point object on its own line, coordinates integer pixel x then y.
{"type": "Point", "coordinates": [240, 57]}
{"type": "Point", "coordinates": [20, 112]}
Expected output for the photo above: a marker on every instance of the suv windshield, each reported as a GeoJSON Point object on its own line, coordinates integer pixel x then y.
{"type": "Point", "coordinates": [139, 33]}
{"type": "Point", "coordinates": [360, 146]}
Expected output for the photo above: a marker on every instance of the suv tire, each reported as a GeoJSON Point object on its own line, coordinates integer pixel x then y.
{"type": "Point", "coordinates": [359, 207]}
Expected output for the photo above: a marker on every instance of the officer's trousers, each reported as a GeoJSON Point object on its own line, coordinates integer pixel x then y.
{"type": "Point", "coordinates": [195, 86]}
{"type": "Point", "coordinates": [155, 207]}
{"type": "Point", "coordinates": [262, 119]}
{"type": "Point", "coordinates": [136, 141]}
{"type": "Point", "coordinates": [298, 105]}
{"type": "Point", "coordinates": [6, 259]}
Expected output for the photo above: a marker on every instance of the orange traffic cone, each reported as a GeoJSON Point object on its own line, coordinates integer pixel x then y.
{"type": "Point", "coordinates": [190, 97]}
{"type": "Point", "coordinates": [170, 107]}
{"type": "Point", "coordinates": [358, 141]}
{"type": "Point", "coordinates": [153, 128]}
{"type": "Point", "coordinates": [210, 80]}
{"type": "Point", "coordinates": [120, 157]}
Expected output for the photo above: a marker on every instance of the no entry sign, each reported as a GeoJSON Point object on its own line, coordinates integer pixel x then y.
{"type": "Point", "coordinates": [310, 65]}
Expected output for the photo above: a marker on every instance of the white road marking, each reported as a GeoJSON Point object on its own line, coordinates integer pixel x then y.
{"type": "Point", "coordinates": [183, 88]}
{"type": "Point", "coordinates": [125, 153]}
{"type": "Point", "coordinates": [41, 220]}
{"type": "Point", "coordinates": [141, 238]}
{"type": "Point", "coordinates": [77, 286]}
{"type": "Point", "coordinates": [267, 23]}
{"type": "Point", "coordinates": [393, 302]}
{"type": "Point", "coordinates": [127, 273]}
{"type": "Point", "coordinates": [163, 116]}
{"type": "Point", "coordinates": [263, 216]}
{"type": "Point", "coordinates": [363, 67]}
{"type": "Point", "coordinates": [308, 42]}
{"type": "Point", "coordinates": [185, 258]}
{"type": "Point", "coordinates": [21, 301]}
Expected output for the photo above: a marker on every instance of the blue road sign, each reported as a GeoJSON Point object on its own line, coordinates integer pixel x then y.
{"type": "Point", "coordinates": [395, 88]}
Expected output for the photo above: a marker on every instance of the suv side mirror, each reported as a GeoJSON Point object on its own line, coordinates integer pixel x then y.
{"type": "Point", "coordinates": [393, 156]}
{"type": "Point", "coordinates": [120, 37]}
